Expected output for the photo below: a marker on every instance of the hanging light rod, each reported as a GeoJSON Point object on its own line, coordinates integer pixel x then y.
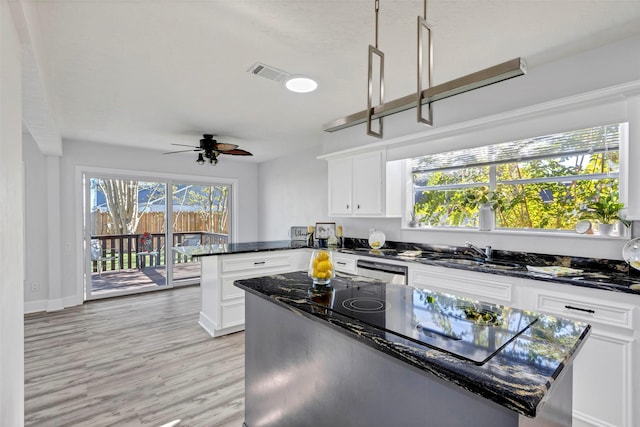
{"type": "Point", "coordinates": [498, 73]}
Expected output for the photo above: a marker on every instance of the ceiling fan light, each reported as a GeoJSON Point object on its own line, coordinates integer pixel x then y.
{"type": "Point", "coordinates": [301, 84]}
{"type": "Point", "coordinates": [200, 159]}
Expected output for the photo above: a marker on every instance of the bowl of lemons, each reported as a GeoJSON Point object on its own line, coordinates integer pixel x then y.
{"type": "Point", "coordinates": [321, 267]}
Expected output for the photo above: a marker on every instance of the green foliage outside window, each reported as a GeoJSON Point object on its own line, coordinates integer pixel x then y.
{"type": "Point", "coordinates": [548, 193]}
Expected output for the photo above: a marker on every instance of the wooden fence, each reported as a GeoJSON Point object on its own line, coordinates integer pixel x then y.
{"type": "Point", "coordinates": [153, 222]}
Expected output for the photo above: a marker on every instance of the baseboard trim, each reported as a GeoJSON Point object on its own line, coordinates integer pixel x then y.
{"type": "Point", "coordinates": [207, 324]}
{"type": "Point", "coordinates": [55, 304]}
{"type": "Point", "coordinates": [50, 305]}
{"type": "Point", "coordinates": [35, 306]}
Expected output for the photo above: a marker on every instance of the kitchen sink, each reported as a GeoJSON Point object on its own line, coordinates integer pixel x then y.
{"type": "Point", "coordinates": [489, 265]}
{"type": "Point", "coordinates": [460, 261]}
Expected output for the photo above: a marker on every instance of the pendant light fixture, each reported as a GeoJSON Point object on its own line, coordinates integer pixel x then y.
{"type": "Point", "coordinates": [497, 73]}
{"type": "Point", "coordinates": [374, 51]}
{"type": "Point", "coordinates": [424, 28]}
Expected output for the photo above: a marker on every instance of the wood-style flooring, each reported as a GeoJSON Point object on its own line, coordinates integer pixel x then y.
{"type": "Point", "coordinates": [141, 360]}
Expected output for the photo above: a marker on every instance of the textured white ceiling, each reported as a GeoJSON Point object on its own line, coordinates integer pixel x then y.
{"type": "Point", "coordinates": [149, 73]}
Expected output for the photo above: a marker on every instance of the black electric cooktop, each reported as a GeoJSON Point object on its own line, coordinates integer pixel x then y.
{"type": "Point", "coordinates": [466, 328]}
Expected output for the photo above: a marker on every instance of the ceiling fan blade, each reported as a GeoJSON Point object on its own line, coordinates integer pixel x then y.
{"type": "Point", "coordinates": [221, 146]}
{"type": "Point", "coordinates": [184, 145]}
{"type": "Point", "coordinates": [181, 151]}
{"type": "Point", "coordinates": [237, 152]}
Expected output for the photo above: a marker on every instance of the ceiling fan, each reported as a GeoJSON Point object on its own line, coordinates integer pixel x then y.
{"type": "Point", "coordinates": [210, 149]}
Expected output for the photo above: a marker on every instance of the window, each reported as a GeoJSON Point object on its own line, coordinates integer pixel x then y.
{"type": "Point", "coordinates": [542, 183]}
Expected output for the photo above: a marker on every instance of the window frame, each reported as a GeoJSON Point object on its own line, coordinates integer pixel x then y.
{"type": "Point", "coordinates": [621, 176]}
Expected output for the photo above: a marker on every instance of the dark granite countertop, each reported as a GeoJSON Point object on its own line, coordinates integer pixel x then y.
{"type": "Point", "coordinates": [603, 274]}
{"type": "Point", "coordinates": [518, 377]}
{"type": "Point", "coordinates": [239, 248]}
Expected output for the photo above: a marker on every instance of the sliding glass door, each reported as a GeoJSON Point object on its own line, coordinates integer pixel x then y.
{"type": "Point", "coordinates": [200, 216]}
{"type": "Point", "coordinates": [138, 239]}
{"type": "Point", "coordinates": [126, 236]}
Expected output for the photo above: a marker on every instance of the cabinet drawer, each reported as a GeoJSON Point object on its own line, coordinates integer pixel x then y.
{"type": "Point", "coordinates": [487, 287]}
{"type": "Point", "coordinates": [344, 264]}
{"type": "Point", "coordinates": [585, 309]}
{"type": "Point", "coordinates": [255, 263]}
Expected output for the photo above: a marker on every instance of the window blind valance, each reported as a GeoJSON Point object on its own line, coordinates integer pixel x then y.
{"type": "Point", "coordinates": [582, 141]}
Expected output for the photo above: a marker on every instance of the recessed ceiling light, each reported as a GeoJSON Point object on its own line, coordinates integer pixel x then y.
{"type": "Point", "coordinates": [301, 84]}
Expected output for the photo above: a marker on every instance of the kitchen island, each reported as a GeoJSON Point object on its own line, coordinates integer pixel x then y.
{"type": "Point", "coordinates": [309, 364]}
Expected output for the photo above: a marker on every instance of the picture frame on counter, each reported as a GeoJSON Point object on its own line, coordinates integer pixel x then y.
{"type": "Point", "coordinates": [299, 233]}
{"type": "Point", "coordinates": [324, 230]}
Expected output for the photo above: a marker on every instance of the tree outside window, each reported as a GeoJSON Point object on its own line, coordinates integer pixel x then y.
{"type": "Point", "coordinates": [543, 183]}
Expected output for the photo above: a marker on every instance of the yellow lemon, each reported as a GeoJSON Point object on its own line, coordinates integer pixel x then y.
{"type": "Point", "coordinates": [322, 256]}
{"type": "Point", "coordinates": [324, 266]}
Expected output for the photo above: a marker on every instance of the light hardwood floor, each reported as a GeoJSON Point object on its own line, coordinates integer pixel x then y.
{"type": "Point", "coordinates": [141, 360]}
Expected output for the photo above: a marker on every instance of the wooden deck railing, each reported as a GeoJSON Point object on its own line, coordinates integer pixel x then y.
{"type": "Point", "coordinates": [121, 249]}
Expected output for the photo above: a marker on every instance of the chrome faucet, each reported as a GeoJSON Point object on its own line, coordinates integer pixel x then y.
{"type": "Point", "coordinates": [486, 253]}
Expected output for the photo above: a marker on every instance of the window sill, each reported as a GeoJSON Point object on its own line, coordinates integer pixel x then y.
{"type": "Point", "coordinates": [514, 233]}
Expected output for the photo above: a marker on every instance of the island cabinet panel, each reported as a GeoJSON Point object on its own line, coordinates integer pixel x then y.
{"type": "Point", "coordinates": [481, 286]}
{"type": "Point", "coordinates": [223, 304]}
{"type": "Point", "coordinates": [606, 374]}
{"type": "Point", "coordinates": [302, 373]}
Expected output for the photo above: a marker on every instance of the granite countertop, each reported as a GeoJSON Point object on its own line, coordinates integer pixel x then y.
{"type": "Point", "coordinates": [603, 274]}
{"type": "Point", "coordinates": [518, 377]}
{"type": "Point", "coordinates": [239, 248]}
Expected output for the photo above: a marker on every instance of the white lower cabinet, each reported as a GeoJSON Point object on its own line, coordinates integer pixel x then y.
{"type": "Point", "coordinates": [606, 380]}
{"type": "Point", "coordinates": [480, 286]}
{"type": "Point", "coordinates": [606, 374]}
{"type": "Point", "coordinates": [344, 263]}
{"type": "Point", "coordinates": [223, 303]}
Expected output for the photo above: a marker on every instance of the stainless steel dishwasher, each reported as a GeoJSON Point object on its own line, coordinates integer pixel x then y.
{"type": "Point", "coordinates": [390, 273]}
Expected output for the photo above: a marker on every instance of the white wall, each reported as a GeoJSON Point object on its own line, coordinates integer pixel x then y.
{"type": "Point", "coordinates": [11, 226]}
{"type": "Point", "coordinates": [569, 77]}
{"type": "Point", "coordinates": [292, 191]}
{"type": "Point", "coordinates": [35, 216]}
{"type": "Point", "coordinates": [59, 289]}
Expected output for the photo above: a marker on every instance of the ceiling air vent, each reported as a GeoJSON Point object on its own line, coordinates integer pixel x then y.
{"type": "Point", "coordinates": [268, 72]}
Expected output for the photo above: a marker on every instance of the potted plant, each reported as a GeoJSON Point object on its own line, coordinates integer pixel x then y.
{"type": "Point", "coordinates": [486, 201]}
{"type": "Point", "coordinates": [606, 210]}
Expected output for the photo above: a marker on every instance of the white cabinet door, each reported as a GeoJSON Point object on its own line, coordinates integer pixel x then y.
{"type": "Point", "coordinates": [340, 187]}
{"type": "Point", "coordinates": [604, 374]}
{"type": "Point", "coordinates": [357, 185]}
{"type": "Point", "coordinates": [368, 184]}
{"type": "Point", "coordinates": [602, 390]}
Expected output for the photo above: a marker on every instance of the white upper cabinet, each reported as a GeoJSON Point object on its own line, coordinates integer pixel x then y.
{"type": "Point", "coordinates": [358, 185]}
{"type": "Point", "coordinates": [340, 187]}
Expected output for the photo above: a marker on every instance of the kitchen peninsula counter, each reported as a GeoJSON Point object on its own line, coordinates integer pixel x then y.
{"type": "Point", "coordinates": [526, 376]}
{"type": "Point", "coordinates": [247, 247]}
